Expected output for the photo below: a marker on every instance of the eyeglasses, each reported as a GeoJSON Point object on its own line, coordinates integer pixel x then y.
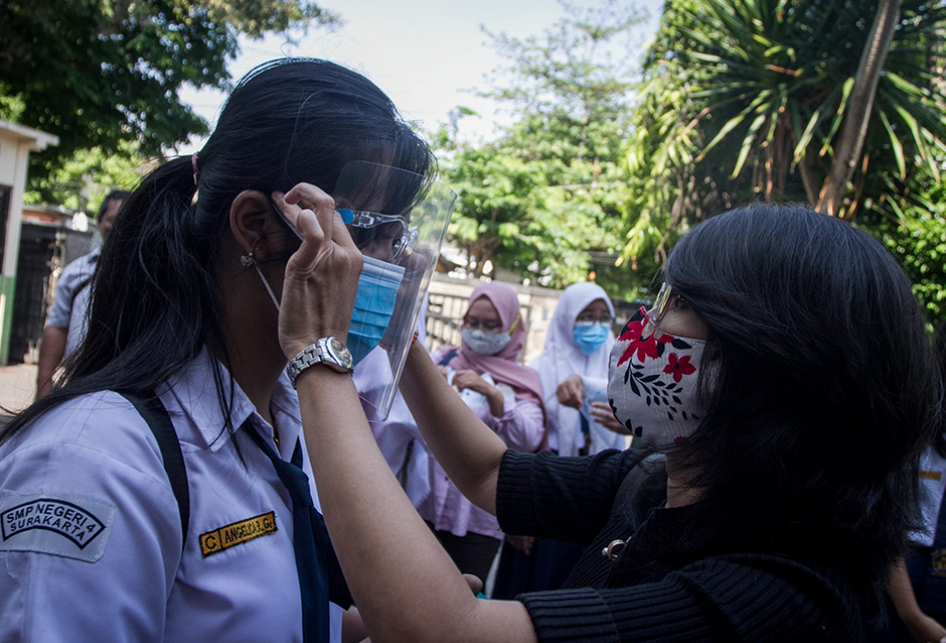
{"type": "Point", "coordinates": [590, 318]}
{"type": "Point", "coordinates": [390, 226]}
{"type": "Point", "coordinates": [662, 304]}
{"type": "Point", "coordinates": [377, 226]}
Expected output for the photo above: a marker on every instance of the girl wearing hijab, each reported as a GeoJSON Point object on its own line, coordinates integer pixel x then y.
{"type": "Point", "coordinates": [506, 396]}
{"type": "Point", "coordinates": [573, 366]}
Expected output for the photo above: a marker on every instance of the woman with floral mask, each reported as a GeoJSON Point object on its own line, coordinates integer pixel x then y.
{"type": "Point", "coordinates": [573, 367]}
{"type": "Point", "coordinates": [785, 375]}
{"type": "Point", "coordinates": [504, 395]}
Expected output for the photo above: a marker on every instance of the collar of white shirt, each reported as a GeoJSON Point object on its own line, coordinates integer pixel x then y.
{"type": "Point", "coordinates": [192, 393]}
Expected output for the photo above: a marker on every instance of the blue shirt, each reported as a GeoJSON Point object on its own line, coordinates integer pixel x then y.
{"type": "Point", "coordinates": [90, 534]}
{"type": "Point", "coordinates": [71, 303]}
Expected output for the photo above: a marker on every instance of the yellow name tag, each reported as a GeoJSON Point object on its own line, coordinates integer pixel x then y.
{"type": "Point", "coordinates": [237, 533]}
{"type": "Point", "coordinates": [931, 475]}
{"type": "Point", "coordinates": [938, 557]}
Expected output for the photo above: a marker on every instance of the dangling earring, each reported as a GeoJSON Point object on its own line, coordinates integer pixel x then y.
{"type": "Point", "coordinates": [248, 260]}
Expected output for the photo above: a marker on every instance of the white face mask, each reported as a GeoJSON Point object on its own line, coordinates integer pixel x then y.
{"type": "Point", "coordinates": [483, 343]}
{"type": "Point", "coordinates": [652, 385]}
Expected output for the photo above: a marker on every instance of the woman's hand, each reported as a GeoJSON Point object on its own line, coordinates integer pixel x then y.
{"type": "Point", "coordinates": [571, 391]}
{"type": "Point", "coordinates": [321, 276]}
{"type": "Point", "coordinates": [603, 414]}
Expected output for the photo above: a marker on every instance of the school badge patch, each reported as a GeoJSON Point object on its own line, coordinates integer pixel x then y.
{"type": "Point", "coordinates": [54, 523]}
{"type": "Point", "coordinates": [237, 533]}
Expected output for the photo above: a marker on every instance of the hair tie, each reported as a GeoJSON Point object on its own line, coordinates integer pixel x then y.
{"type": "Point", "coordinates": [194, 165]}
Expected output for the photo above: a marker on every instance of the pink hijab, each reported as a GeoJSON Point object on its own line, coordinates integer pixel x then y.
{"type": "Point", "coordinates": [503, 365]}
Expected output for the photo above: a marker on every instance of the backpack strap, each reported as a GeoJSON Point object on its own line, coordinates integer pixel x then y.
{"type": "Point", "coordinates": [448, 357]}
{"type": "Point", "coordinates": [154, 413]}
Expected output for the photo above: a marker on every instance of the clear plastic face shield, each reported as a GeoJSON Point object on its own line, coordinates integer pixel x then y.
{"type": "Point", "coordinates": [398, 219]}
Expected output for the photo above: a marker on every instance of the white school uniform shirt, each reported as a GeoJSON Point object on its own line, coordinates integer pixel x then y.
{"type": "Point", "coordinates": [932, 488]}
{"type": "Point", "coordinates": [90, 533]}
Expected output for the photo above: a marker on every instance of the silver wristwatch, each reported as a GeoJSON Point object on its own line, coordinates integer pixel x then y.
{"type": "Point", "coordinates": [330, 351]}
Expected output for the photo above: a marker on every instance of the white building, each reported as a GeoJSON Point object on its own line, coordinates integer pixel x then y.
{"type": "Point", "coordinates": [16, 143]}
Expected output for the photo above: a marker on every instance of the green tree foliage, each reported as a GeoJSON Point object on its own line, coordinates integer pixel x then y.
{"type": "Point", "coordinates": [743, 99]}
{"type": "Point", "coordinates": [100, 72]}
{"type": "Point", "coordinates": [913, 227]}
{"type": "Point", "coordinates": [84, 180]}
{"type": "Point", "coordinates": [547, 199]}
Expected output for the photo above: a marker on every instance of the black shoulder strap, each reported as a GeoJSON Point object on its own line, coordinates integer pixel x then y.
{"type": "Point", "coordinates": [448, 357]}
{"type": "Point", "coordinates": [159, 422]}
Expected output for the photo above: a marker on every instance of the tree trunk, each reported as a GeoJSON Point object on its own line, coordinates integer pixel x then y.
{"type": "Point", "coordinates": [859, 105]}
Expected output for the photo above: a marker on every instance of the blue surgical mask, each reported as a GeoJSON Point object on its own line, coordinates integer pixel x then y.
{"type": "Point", "coordinates": [590, 336]}
{"type": "Point", "coordinates": [483, 343]}
{"type": "Point", "coordinates": [374, 304]}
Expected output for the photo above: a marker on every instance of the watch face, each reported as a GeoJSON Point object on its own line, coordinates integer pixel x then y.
{"type": "Point", "coordinates": [341, 352]}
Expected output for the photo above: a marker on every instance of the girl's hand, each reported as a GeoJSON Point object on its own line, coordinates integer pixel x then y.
{"type": "Point", "coordinates": [603, 414]}
{"type": "Point", "coordinates": [571, 391]}
{"type": "Point", "coordinates": [321, 276]}
{"type": "Point", "coordinates": [471, 380]}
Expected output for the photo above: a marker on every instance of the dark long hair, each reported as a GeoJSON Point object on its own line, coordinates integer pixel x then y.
{"type": "Point", "coordinates": [823, 389]}
{"type": "Point", "coordinates": [155, 302]}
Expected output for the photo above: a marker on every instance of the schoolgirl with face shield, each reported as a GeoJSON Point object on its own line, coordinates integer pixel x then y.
{"type": "Point", "coordinates": [174, 453]}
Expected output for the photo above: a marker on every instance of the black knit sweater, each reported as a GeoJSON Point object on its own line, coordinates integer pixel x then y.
{"type": "Point", "coordinates": [667, 584]}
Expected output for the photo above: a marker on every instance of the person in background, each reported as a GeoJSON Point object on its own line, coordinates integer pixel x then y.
{"type": "Point", "coordinates": [573, 367]}
{"type": "Point", "coordinates": [506, 396]}
{"type": "Point", "coordinates": [66, 323]}
{"type": "Point", "coordinates": [917, 585]}
{"type": "Point", "coordinates": [574, 371]}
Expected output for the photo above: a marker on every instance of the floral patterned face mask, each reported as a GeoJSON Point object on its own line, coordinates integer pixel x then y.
{"type": "Point", "coordinates": [652, 384]}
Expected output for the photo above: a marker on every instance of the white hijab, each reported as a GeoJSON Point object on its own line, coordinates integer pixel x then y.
{"type": "Point", "coordinates": [561, 357]}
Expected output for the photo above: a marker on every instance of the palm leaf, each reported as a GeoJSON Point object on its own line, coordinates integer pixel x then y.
{"type": "Point", "coordinates": [895, 144]}
{"type": "Point", "coordinates": [747, 144]}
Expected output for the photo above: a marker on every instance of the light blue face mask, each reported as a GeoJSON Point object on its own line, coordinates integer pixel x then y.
{"type": "Point", "coordinates": [590, 336]}
{"type": "Point", "coordinates": [374, 305]}
{"type": "Point", "coordinates": [378, 285]}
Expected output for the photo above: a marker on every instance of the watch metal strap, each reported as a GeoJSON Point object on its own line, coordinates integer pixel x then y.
{"type": "Point", "coordinates": [308, 357]}
{"type": "Point", "coordinates": [317, 353]}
